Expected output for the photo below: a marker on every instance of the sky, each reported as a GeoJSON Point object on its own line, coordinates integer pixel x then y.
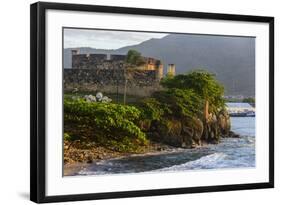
{"type": "Point", "coordinates": [105, 39]}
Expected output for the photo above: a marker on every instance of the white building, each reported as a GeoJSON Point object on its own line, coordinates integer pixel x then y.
{"type": "Point", "coordinates": [239, 108]}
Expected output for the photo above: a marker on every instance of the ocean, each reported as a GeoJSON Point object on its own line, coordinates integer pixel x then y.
{"type": "Point", "coordinates": [229, 153]}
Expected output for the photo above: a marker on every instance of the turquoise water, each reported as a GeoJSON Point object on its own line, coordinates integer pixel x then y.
{"type": "Point", "coordinates": [230, 153]}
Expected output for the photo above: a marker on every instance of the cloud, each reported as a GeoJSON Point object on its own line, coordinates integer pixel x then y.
{"type": "Point", "coordinates": [105, 39]}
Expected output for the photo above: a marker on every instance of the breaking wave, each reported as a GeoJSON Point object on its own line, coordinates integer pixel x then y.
{"type": "Point", "coordinates": [207, 162]}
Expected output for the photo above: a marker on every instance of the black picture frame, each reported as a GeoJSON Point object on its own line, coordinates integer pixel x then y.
{"type": "Point", "coordinates": [38, 101]}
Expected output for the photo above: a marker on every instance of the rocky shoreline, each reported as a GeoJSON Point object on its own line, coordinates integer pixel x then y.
{"type": "Point", "coordinates": [174, 134]}
{"type": "Point", "coordinates": [77, 153]}
{"type": "Point", "coordinates": [78, 157]}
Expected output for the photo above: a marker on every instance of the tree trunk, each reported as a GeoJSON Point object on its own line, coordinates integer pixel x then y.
{"type": "Point", "coordinates": [206, 110]}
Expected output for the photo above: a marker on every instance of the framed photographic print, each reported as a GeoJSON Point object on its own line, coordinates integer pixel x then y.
{"type": "Point", "coordinates": [129, 102]}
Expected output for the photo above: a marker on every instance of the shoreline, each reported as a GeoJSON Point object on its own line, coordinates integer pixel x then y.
{"type": "Point", "coordinates": [71, 168]}
{"type": "Point", "coordinates": [76, 154]}
{"type": "Point", "coordinates": [76, 158]}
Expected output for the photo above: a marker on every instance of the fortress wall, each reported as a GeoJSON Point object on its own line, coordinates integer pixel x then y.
{"type": "Point", "coordinates": [139, 82]}
{"type": "Point", "coordinates": [117, 57]}
{"type": "Point", "coordinates": [86, 61]}
{"type": "Point", "coordinates": [103, 61]}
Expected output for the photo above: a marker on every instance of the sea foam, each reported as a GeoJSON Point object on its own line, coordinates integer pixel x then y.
{"type": "Point", "coordinates": [206, 162]}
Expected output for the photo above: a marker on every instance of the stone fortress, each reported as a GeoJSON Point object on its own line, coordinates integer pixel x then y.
{"type": "Point", "coordinates": [110, 74]}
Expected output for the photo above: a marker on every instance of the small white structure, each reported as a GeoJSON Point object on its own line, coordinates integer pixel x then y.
{"type": "Point", "coordinates": [90, 98]}
{"type": "Point", "coordinates": [99, 96]}
{"type": "Point", "coordinates": [236, 108]}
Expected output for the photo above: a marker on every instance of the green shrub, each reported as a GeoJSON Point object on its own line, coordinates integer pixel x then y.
{"type": "Point", "coordinates": [103, 121]}
{"type": "Point", "coordinates": [179, 103]}
{"type": "Point", "coordinates": [171, 103]}
{"type": "Point", "coordinates": [203, 83]}
{"type": "Point", "coordinates": [151, 109]}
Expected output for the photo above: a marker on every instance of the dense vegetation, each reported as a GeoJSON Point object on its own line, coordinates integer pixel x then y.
{"type": "Point", "coordinates": [105, 123]}
{"type": "Point", "coordinates": [203, 84]}
{"type": "Point", "coordinates": [172, 103]}
{"type": "Point", "coordinates": [174, 115]}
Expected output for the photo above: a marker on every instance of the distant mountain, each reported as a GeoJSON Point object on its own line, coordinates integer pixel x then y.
{"type": "Point", "coordinates": [232, 59]}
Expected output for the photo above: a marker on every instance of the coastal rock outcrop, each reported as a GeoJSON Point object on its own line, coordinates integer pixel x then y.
{"type": "Point", "coordinates": [224, 123]}
{"type": "Point", "coordinates": [190, 132]}
{"type": "Point", "coordinates": [170, 130]}
{"type": "Point", "coordinates": [217, 126]}
{"type": "Point", "coordinates": [211, 129]}
{"type": "Point", "coordinates": [184, 133]}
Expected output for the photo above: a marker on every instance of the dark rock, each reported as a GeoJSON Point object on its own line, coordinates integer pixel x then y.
{"type": "Point", "coordinates": [224, 123]}
{"type": "Point", "coordinates": [233, 135]}
{"type": "Point", "coordinates": [185, 133]}
{"type": "Point", "coordinates": [211, 133]}
{"type": "Point", "coordinates": [89, 161]}
{"type": "Point", "coordinates": [171, 132]}
{"type": "Point", "coordinates": [192, 132]}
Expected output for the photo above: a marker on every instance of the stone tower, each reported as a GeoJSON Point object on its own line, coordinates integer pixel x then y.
{"type": "Point", "coordinates": [74, 51]}
{"type": "Point", "coordinates": [158, 67]}
{"type": "Point", "coordinates": [171, 70]}
{"type": "Point", "coordinates": [159, 71]}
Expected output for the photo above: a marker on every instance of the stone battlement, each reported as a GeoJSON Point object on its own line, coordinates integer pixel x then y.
{"type": "Point", "coordinates": [103, 72]}
{"type": "Point", "coordinates": [104, 61]}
